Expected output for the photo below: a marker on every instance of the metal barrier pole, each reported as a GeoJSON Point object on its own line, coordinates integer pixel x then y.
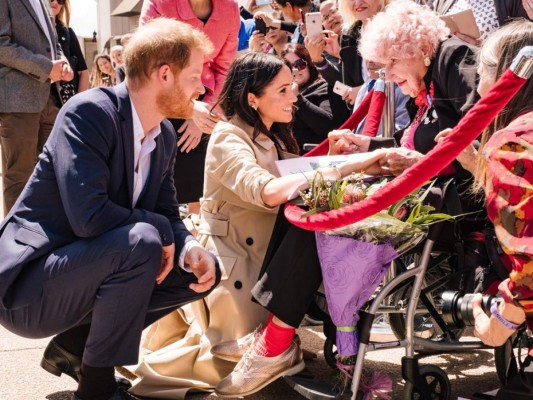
{"type": "Point", "coordinates": [387, 119]}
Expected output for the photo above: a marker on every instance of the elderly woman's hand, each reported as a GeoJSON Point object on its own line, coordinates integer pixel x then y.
{"type": "Point", "coordinates": [467, 157]}
{"type": "Point", "coordinates": [397, 159]}
{"type": "Point", "coordinates": [344, 141]}
{"type": "Point", "coordinates": [489, 329]}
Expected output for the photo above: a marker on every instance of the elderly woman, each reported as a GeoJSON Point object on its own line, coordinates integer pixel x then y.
{"type": "Point", "coordinates": [503, 167]}
{"type": "Point", "coordinates": [436, 71]}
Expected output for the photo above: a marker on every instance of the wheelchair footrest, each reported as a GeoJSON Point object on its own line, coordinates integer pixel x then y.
{"type": "Point", "coordinates": [313, 389]}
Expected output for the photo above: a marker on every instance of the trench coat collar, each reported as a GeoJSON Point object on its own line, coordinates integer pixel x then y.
{"type": "Point", "coordinates": [261, 140]}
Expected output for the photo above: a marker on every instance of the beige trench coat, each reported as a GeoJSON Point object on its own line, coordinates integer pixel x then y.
{"type": "Point", "coordinates": [236, 226]}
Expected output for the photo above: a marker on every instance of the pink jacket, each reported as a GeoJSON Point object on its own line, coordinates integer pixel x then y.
{"type": "Point", "coordinates": [222, 28]}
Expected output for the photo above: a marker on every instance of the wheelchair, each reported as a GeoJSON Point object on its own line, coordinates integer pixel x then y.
{"type": "Point", "coordinates": [410, 296]}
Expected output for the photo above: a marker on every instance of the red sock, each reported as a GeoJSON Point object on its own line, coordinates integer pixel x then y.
{"type": "Point", "coordinates": [274, 340]}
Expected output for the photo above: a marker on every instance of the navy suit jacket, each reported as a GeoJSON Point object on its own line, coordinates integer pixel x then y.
{"type": "Point", "coordinates": [82, 187]}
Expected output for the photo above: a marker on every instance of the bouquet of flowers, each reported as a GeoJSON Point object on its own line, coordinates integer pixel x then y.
{"type": "Point", "coordinates": [355, 258]}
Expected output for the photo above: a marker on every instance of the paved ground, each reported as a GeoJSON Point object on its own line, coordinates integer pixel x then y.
{"type": "Point", "coordinates": [21, 378]}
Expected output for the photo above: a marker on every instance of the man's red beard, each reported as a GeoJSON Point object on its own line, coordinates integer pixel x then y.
{"type": "Point", "coordinates": [174, 104]}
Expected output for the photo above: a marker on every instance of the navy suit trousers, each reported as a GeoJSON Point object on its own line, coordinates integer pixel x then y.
{"type": "Point", "coordinates": [107, 282]}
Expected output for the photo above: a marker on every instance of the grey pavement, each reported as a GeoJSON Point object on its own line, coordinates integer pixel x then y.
{"type": "Point", "coordinates": [21, 377]}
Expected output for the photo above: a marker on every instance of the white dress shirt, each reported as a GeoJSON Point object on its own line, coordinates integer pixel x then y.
{"type": "Point", "coordinates": [41, 15]}
{"type": "Point", "coordinates": [143, 147]}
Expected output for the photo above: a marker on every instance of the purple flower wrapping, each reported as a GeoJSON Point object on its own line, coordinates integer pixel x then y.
{"type": "Point", "coordinates": [352, 270]}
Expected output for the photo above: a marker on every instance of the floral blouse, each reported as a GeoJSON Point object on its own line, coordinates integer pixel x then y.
{"type": "Point", "coordinates": [509, 198]}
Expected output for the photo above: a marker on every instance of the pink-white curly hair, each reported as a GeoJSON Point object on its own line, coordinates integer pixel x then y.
{"type": "Point", "coordinates": [402, 31]}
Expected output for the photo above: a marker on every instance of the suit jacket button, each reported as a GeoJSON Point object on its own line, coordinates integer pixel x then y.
{"type": "Point", "coordinates": [163, 237]}
{"type": "Point", "coordinates": [238, 285]}
{"type": "Point", "coordinates": [249, 241]}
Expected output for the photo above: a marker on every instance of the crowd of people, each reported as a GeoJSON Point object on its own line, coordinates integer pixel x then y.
{"type": "Point", "coordinates": [195, 107]}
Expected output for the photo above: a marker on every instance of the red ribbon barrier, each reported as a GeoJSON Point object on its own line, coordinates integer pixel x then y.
{"type": "Point", "coordinates": [470, 126]}
{"type": "Point", "coordinates": [351, 123]}
{"type": "Point", "coordinates": [373, 119]}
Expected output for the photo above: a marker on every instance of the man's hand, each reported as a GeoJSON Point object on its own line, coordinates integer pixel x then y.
{"type": "Point", "coordinates": [344, 141]}
{"type": "Point", "coordinates": [167, 263]}
{"type": "Point", "coordinates": [57, 70]}
{"type": "Point", "coordinates": [397, 159]}
{"type": "Point", "coordinates": [202, 265]}
{"type": "Point", "coordinates": [67, 74]}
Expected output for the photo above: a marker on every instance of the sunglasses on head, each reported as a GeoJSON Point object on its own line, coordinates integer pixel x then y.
{"type": "Point", "coordinates": [60, 2]}
{"type": "Point", "coordinates": [299, 64]}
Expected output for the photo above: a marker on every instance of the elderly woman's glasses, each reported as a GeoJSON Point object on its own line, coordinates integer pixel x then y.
{"type": "Point", "coordinates": [299, 64]}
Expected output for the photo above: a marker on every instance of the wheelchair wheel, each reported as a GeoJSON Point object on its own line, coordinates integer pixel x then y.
{"type": "Point", "coordinates": [330, 353]}
{"type": "Point", "coordinates": [436, 281]}
{"type": "Point", "coordinates": [441, 389]}
{"type": "Point", "coordinates": [505, 361]}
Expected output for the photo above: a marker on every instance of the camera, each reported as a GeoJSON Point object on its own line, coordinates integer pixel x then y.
{"type": "Point", "coordinates": [457, 311]}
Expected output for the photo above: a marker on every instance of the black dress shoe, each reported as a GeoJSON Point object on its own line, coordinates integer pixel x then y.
{"type": "Point", "coordinates": [57, 361]}
{"type": "Point", "coordinates": [120, 394]}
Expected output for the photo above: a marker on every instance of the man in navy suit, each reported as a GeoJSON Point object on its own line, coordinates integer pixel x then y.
{"type": "Point", "coordinates": [93, 249]}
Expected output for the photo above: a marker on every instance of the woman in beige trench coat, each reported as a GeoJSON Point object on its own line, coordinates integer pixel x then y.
{"type": "Point", "coordinates": [242, 192]}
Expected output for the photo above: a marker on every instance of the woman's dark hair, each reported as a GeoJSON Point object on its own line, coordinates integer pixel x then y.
{"type": "Point", "coordinates": [303, 53]}
{"type": "Point", "coordinates": [252, 73]}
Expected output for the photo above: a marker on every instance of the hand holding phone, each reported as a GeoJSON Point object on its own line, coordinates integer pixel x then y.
{"type": "Point", "coordinates": [340, 88]}
{"type": "Point", "coordinates": [260, 26]}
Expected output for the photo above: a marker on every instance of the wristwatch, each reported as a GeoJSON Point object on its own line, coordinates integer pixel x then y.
{"type": "Point", "coordinates": [496, 313]}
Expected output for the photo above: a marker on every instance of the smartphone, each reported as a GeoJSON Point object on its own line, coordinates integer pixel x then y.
{"type": "Point", "coordinates": [260, 26]}
{"type": "Point", "coordinates": [262, 2]}
{"type": "Point", "coordinates": [313, 24]}
{"type": "Point", "coordinates": [340, 88]}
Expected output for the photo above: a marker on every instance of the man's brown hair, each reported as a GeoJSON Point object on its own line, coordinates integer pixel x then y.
{"type": "Point", "coordinates": [161, 41]}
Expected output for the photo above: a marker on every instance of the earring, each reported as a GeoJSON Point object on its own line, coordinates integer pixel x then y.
{"type": "Point", "coordinates": [427, 61]}
{"type": "Point", "coordinates": [253, 106]}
